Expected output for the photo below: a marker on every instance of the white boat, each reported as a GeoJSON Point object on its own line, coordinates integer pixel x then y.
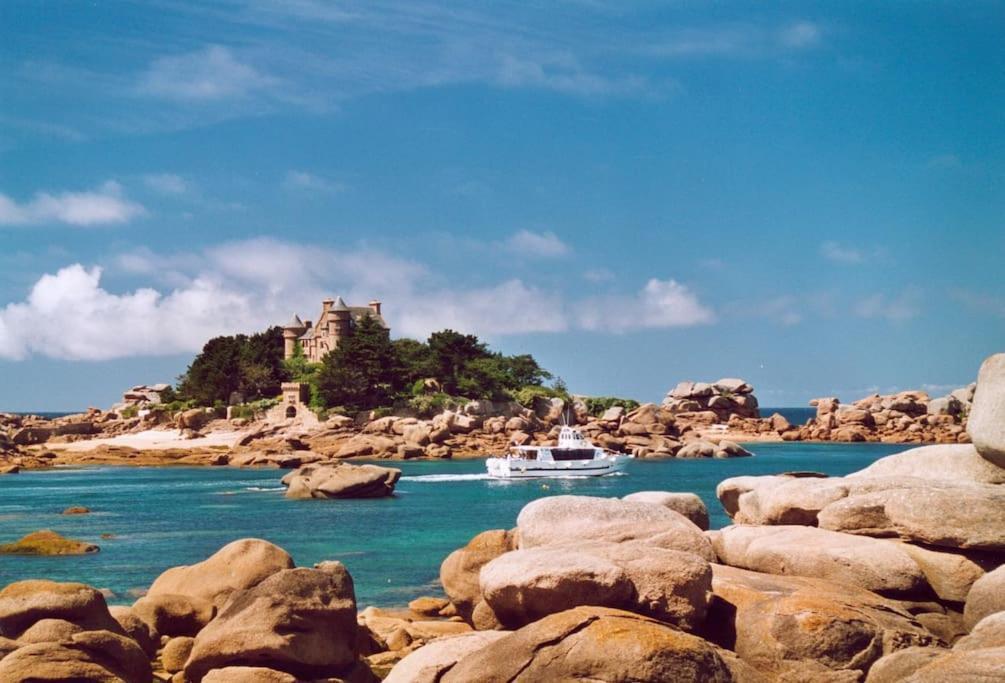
{"type": "Point", "coordinates": [574, 456]}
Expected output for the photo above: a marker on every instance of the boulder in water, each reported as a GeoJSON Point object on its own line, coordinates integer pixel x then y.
{"type": "Point", "coordinates": [341, 480]}
{"type": "Point", "coordinates": [47, 542]}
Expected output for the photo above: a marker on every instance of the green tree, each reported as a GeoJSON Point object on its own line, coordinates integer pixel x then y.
{"type": "Point", "coordinates": [214, 373]}
{"type": "Point", "coordinates": [415, 361]}
{"type": "Point", "coordinates": [249, 365]}
{"type": "Point", "coordinates": [452, 353]}
{"type": "Point", "coordinates": [362, 372]}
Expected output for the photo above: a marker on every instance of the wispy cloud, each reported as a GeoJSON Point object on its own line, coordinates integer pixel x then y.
{"type": "Point", "coordinates": [944, 162]}
{"type": "Point", "coordinates": [800, 35]}
{"type": "Point", "coordinates": [736, 40]}
{"type": "Point", "coordinates": [981, 302]}
{"type": "Point", "coordinates": [537, 244]}
{"type": "Point", "coordinates": [303, 180]}
{"type": "Point", "coordinates": [898, 308]}
{"type": "Point", "coordinates": [598, 275]}
{"type": "Point", "coordinates": [248, 285]}
{"type": "Point", "coordinates": [166, 183]}
{"type": "Point", "coordinates": [848, 255]}
{"type": "Point", "coordinates": [105, 205]}
{"type": "Point", "coordinates": [212, 73]}
{"type": "Point", "coordinates": [564, 74]}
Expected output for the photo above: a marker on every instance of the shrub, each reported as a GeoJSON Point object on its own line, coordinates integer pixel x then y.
{"type": "Point", "coordinates": [129, 412]}
{"type": "Point", "coordinates": [525, 395]}
{"type": "Point", "coordinates": [428, 405]}
{"type": "Point", "coordinates": [597, 405]}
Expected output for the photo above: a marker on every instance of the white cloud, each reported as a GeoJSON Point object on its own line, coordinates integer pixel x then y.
{"type": "Point", "coordinates": [660, 304]}
{"type": "Point", "coordinates": [899, 308]}
{"type": "Point", "coordinates": [102, 206]}
{"type": "Point", "coordinates": [69, 315]}
{"type": "Point", "coordinates": [166, 183]}
{"type": "Point", "coordinates": [302, 180]}
{"type": "Point", "coordinates": [537, 244]}
{"type": "Point", "coordinates": [212, 73]}
{"type": "Point", "coordinates": [248, 285]}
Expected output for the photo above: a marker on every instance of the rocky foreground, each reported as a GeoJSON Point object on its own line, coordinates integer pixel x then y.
{"type": "Point", "coordinates": [892, 573]}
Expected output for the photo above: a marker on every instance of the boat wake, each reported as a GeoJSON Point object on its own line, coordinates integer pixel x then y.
{"type": "Point", "coordinates": [446, 477]}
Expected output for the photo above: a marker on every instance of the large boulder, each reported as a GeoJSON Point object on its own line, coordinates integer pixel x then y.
{"type": "Point", "coordinates": [576, 519]}
{"type": "Point", "coordinates": [196, 419]}
{"type": "Point", "coordinates": [301, 621]}
{"type": "Point", "coordinates": [248, 674]}
{"type": "Point", "coordinates": [970, 666]}
{"type": "Point", "coordinates": [341, 480]}
{"type": "Point", "coordinates": [869, 563]}
{"type": "Point", "coordinates": [986, 596]}
{"type": "Point", "coordinates": [941, 463]}
{"type": "Point", "coordinates": [779, 624]}
{"type": "Point", "coordinates": [593, 644]}
{"type": "Point", "coordinates": [25, 602]}
{"type": "Point", "coordinates": [87, 657]}
{"type": "Point", "coordinates": [788, 500]}
{"type": "Point", "coordinates": [169, 614]}
{"type": "Point", "coordinates": [460, 571]}
{"type": "Point", "coordinates": [134, 627]}
{"type": "Point", "coordinates": [688, 504]}
{"type": "Point", "coordinates": [897, 666]}
{"type": "Point", "coordinates": [986, 423]}
{"type": "Point", "coordinates": [429, 663]}
{"type": "Point", "coordinates": [670, 585]}
{"type": "Point", "coordinates": [950, 573]}
{"type": "Point", "coordinates": [729, 490]}
{"type": "Point", "coordinates": [237, 565]}
{"type": "Point", "coordinates": [988, 632]}
{"type": "Point", "coordinates": [969, 517]}
{"type": "Point", "coordinates": [526, 585]}
{"type": "Point", "coordinates": [48, 631]}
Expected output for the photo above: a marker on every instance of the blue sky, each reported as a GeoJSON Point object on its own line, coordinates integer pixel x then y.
{"type": "Point", "coordinates": [807, 195]}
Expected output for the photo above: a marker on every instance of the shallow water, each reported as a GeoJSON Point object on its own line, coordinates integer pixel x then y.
{"type": "Point", "coordinates": [162, 517]}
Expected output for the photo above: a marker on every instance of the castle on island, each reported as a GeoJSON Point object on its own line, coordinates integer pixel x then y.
{"type": "Point", "coordinates": [336, 322]}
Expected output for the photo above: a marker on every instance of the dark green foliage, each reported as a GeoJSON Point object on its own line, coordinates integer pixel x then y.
{"type": "Point", "coordinates": [362, 373]}
{"type": "Point", "coordinates": [415, 362]}
{"type": "Point", "coordinates": [251, 365]}
{"type": "Point", "coordinates": [366, 371]}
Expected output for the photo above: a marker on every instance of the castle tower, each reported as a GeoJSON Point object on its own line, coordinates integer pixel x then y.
{"type": "Point", "coordinates": [291, 332]}
{"type": "Point", "coordinates": [343, 320]}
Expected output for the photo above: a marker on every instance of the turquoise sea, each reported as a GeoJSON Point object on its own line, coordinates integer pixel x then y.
{"type": "Point", "coordinates": [162, 517]}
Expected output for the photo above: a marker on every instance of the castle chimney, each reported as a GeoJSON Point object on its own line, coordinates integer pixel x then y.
{"type": "Point", "coordinates": [326, 305]}
{"type": "Point", "coordinates": [375, 306]}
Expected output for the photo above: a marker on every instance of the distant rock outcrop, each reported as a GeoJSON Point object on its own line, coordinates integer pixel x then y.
{"type": "Point", "coordinates": [726, 397]}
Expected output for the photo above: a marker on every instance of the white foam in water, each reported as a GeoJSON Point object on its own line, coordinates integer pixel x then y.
{"type": "Point", "coordinates": [266, 488]}
{"type": "Point", "coordinates": [447, 477]}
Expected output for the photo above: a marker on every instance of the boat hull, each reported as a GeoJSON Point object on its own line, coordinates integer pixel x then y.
{"type": "Point", "coordinates": [518, 468]}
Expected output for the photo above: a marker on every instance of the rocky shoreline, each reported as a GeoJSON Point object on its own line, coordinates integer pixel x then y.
{"type": "Point", "coordinates": [695, 420]}
{"type": "Point", "coordinates": [892, 573]}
